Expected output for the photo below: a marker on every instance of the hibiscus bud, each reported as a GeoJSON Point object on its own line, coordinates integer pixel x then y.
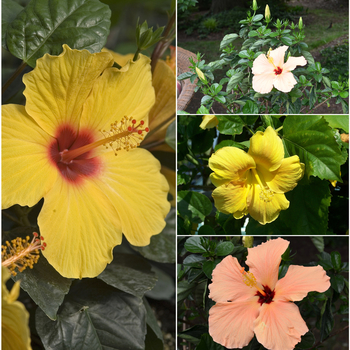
{"type": "Point", "coordinates": [179, 88]}
{"type": "Point", "coordinates": [255, 5]}
{"type": "Point", "coordinates": [267, 13]}
{"type": "Point", "coordinates": [248, 241]}
{"type": "Point", "coordinates": [201, 75]}
{"type": "Point", "coordinates": [300, 23]}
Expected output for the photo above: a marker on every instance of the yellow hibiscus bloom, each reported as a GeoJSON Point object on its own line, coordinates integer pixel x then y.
{"type": "Point", "coordinates": [14, 318]}
{"type": "Point", "coordinates": [254, 182]}
{"type": "Point", "coordinates": [53, 148]}
{"type": "Point", "coordinates": [209, 121]}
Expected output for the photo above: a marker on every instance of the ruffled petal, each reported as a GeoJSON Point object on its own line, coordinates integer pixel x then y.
{"type": "Point", "coordinates": [279, 326]}
{"type": "Point", "coordinates": [138, 191]}
{"type": "Point", "coordinates": [286, 177]}
{"type": "Point", "coordinates": [27, 174]}
{"type": "Point", "coordinates": [118, 93]}
{"type": "Point", "coordinates": [292, 62]}
{"type": "Point", "coordinates": [300, 280]}
{"type": "Point", "coordinates": [58, 86]}
{"type": "Point", "coordinates": [162, 113]}
{"type": "Point", "coordinates": [263, 83]}
{"type": "Point", "coordinates": [264, 261]}
{"type": "Point", "coordinates": [229, 164]}
{"type": "Point", "coordinates": [170, 176]}
{"type": "Point", "coordinates": [265, 206]}
{"type": "Point", "coordinates": [231, 324]}
{"type": "Point", "coordinates": [262, 65]}
{"type": "Point", "coordinates": [209, 121]}
{"type": "Point", "coordinates": [278, 55]}
{"type": "Point", "coordinates": [81, 227]}
{"type": "Point", "coordinates": [284, 82]}
{"type": "Point", "coordinates": [232, 199]}
{"type": "Point", "coordinates": [228, 283]}
{"type": "Point", "coordinates": [267, 149]}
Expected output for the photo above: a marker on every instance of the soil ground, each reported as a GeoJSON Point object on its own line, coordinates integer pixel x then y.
{"type": "Point", "coordinates": [335, 6]}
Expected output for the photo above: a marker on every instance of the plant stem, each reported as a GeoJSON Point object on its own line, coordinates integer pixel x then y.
{"type": "Point", "coordinates": [14, 76]}
{"type": "Point", "coordinates": [249, 129]}
{"type": "Point", "coordinates": [320, 104]}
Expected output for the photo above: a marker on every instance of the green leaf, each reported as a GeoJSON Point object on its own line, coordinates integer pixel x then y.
{"type": "Point", "coordinates": [336, 260]}
{"type": "Point", "coordinates": [154, 337]}
{"type": "Point", "coordinates": [327, 321]}
{"type": "Point", "coordinates": [307, 341]}
{"type": "Point", "coordinates": [234, 80]}
{"type": "Point", "coordinates": [313, 141]}
{"type": "Point", "coordinates": [202, 110]}
{"type": "Point", "coordinates": [287, 40]}
{"type": "Point", "coordinates": [338, 121]}
{"type": "Point", "coordinates": [194, 205]}
{"type": "Point", "coordinates": [93, 316]}
{"type": "Point", "coordinates": [308, 57]}
{"type": "Point", "coordinates": [206, 230]}
{"type": "Point", "coordinates": [318, 242]}
{"type": "Point", "coordinates": [224, 248]}
{"type": "Point", "coordinates": [184, 289]}
{"type": "Point", "coordinates": [209, 266]}
{"type": "Point", "coordinates": [231, 125]}
{"type": "Point", "coordinates": [337, 283]}
{"type": "Point", "coordinates": [170, 137]}
{"type": "Point", "coordinates": [194, 245]}
{"type": "Point", "coordinates": [164, 288]}
{"type": "Point", "coordinates": [9, 11]}
{"type": "Point", "coordinates": [308, 210]}
{"type": "Point", "coordinates": [228, 39]}
{"type": "Point", "coordinates": [250, 107]}
{"type": "Point", "coordinates": [43, 283]}
{"type": "Point", "coordinates": [193, 334]}
{"type": "Point", "coordinates": [130, 273]}
{"type": "Point", "coordinates": [44, 26]}
{"type": "Point", "coordinates": [207, 343]}
{"type": "Point", "coordinates": [257, 18]}
{"type": "Point", "coordinates": [162, 246]}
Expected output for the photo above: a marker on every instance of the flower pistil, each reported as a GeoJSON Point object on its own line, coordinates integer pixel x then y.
{"type": "Point", "coordinates": [250, 280]}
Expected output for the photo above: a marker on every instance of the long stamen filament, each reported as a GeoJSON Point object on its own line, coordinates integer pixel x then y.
{"type": "Point", "coordinates": [257, 178]}
{"type": "Point", "coordinates": [250, 280]}
{"type": "Point", "coordinates": [68, 155]}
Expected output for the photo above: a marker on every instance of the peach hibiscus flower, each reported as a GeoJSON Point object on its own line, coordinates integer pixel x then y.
{"type": "Point", "coordinates": [256, 302]}
{"type": "Point", "coordinates": [254, 182]}
{"type": "Point", "coordinates": [271, 71]}
{"type": "Point", "coordinates": [54, 148]}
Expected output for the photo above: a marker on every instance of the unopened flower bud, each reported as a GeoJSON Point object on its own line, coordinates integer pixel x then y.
{"type": "Point", "coordinates": [201, 75]}
{"type": "Point", "coordinates": [300, 23]}
{"type": "Point", "coordinates": [248, 241]}
{"type": "Point", "coordinates": [267, 13]}
{"type": "Point", "coordinates": [255, 5]}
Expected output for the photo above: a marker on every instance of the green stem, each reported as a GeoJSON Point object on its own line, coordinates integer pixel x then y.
{"type": "Point", "coordinates": [249, 129]}
{"type": "Point", "coordinates": [14, 76]}
{"type": "Point", "coordinates": [136, 56]}
{"type": "Point", "coordinates": [280, 128]}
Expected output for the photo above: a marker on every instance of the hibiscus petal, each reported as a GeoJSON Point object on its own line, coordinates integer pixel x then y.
{"type": "Point", "coordinates": [300, 280]}
{"type": "Point", "coordinates": [284, 82]}
{"type": "Point", "coordinates": [27, 174]}
{"type": "Point", "coordinates": [229, 164]}
{"type": "Point", "coordinates": [209, 121]}
{"type": "Point", "coordinates": [228, 283]}
{"type": "Point", "coordinates": [279, 326]}
{"type": "Point", "coordinates": [265, 206]}
{"type": "Point", "coordinates": [163, 111]}
{"type": "Point", "coordinates": [80, 227]}
{"type": "Point", "coordinates": [278, 55]}
{"type": "Point", "coordinates": [118, 93]}
{"type": "Point", "coordinates": [58, 86]}
{"type": "Point", "coordinates": [231, 199]}
{"type": "Point", "coordinates": [292, 62]}
{"type": "Point", "coordinates": [264, 261]}
{"type": "Point", "coordinates": [267, 149]}
{"type": "Point", "coordinates": [263, 83]}
{"type": "Point", "coordinates": [262, 65]}
{"type": "Point", "coordinates": [138, 191]}
{"type": "Point", "coordinates": [286, 177]}
{"type": "Point", "coordinates": [231, 324]}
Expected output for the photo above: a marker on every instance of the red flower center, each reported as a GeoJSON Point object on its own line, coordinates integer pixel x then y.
{"type": "Point", "coordinates": [278, 71]}
{"type": "Point", "coordinates": [82, 165]}
{"type": "Point", "coordinates": [268, 298]}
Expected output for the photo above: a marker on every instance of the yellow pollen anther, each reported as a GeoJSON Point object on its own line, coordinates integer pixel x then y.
{"type": "Point", "coordinates": [270, 59]}
{"type": "Point", "coordinates": [250, 280]}
{"type": "Point", "coordinates": [266, 194]}
{"type": "Point", "coordinates": [20, 253]}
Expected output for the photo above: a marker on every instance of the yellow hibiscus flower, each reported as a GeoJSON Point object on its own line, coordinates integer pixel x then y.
{"type": "Point", "coordinates": [76, 103]}
{"type": "Point", "coordinates": [14, 318]}
{"type": "Point", "coordinates": [254, 182]}
{"type": "Point", "coordinates": [209, 121]}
